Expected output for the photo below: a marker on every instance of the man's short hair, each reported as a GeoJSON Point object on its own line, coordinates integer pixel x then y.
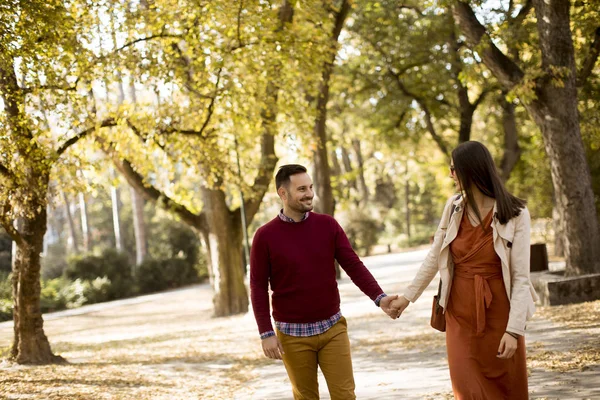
{"type": "Point", "coordinates": [285, 171]}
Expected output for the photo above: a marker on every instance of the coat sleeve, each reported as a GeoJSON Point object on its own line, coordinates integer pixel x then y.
{"type": "Point", "coordinates": [429, 267]}
{"type": "Point", "coordinates": [520, 298]}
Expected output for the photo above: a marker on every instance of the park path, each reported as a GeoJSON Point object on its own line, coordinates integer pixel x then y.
{"type": "Point", "coordinates": [167, 346]}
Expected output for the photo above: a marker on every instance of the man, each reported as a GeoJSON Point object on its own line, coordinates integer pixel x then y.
{"type": "Point", "coordinates": [296, 253]}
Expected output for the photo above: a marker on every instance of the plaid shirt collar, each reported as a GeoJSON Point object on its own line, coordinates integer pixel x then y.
{"type": "Point", "coordinates": [285, 218]}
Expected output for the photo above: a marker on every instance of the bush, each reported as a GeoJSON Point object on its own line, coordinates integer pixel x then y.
{"type": "Point", "coordinates": [363, 232]}
{"type": "Point", "coordinates": [5, 251]}
{"type": "Point", "coordinates": [110, 264]}
{"type": "Point", "coordinates": [58, 294]}
{"type": "Point", "coordinates": [54, 294]}
{"type": "Point", "coordinates": [6, 310]}
{"type": "Point", "coordinates": [54, 261]}
{"type": "Point", "coordinates": [157, 275]}
{"type": "Point", "coordinates": [171, 239]}
{"type": "Point", "coordinates": [5, 296]}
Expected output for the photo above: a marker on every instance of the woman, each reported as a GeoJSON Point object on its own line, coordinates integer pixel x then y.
{"type": "Point", "coordinates": [481, 249]}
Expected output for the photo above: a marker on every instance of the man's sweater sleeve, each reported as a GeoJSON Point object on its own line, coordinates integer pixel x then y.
{"type": "Point", "coordinates": [351, 263]}
{"type": "Point", "coordinates": [259, 282]}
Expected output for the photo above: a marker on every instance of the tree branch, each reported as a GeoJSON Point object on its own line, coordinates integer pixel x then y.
{"type": "Point", "coordinates": [506, 71]}
{"type": "Point", "coordinates": [482, 96]}
{"type": "Point", "coordinates": [412, 8]}
{"type": "Point", "coordinates": [185, 61]}
{"type": "Point", "coordinates": [71, 88]}
{"type": "Point", "coordinates": [7, 224]}
{"type": "Point", "coordinates": [239, 22]}
{"type": "Point", "coordinates": [5, 172]}
{"type": "Point", "coordinates": [523, 12]}
{"type": "Point", "coordinates": [146, 39]}
{"type": "Point", "coordinates": [211, 105]}
{"type": "Point", "coordinates": [588, 65]}
{"type": "Point", "coordinates": [70, 142]}
{"type": "Point", "coordinates": [150, 192]}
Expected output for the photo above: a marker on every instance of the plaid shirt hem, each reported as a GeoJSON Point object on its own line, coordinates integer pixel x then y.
{"type": "Point", "coordinates": [310, 328]}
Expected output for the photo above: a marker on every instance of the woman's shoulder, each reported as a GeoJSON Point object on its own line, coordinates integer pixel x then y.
{"type": "Point", "coordinates": [523, 216]}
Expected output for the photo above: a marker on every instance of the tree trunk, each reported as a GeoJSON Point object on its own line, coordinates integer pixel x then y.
{"type": "Point", "coordinates": [30, 344]}
{"type": "Point", "coordinates": [559, 242]}
{"type": "Point", "coordinates": [225, 256]}
{"type": "Point", "coordinates": [85, 228]}
{"type": "Point", "coordinates": [555, 111]}
{"type": "Point", "coordinates": [512, 151]}
{"type": "Point", "coordinates": [326, 202]}
{"type": "Point", "coordinates": [139, 227]}
{"type": "Point", "coordinates": [348, 167]}
{"type": "Point", "coordinates": [362, 183]}
{"type": "Point", "coordinates": [336, 169]}
{"type": "Point", "coordinates": [72, 231]}
{"type": "Point", "coordinates": [115, 196]}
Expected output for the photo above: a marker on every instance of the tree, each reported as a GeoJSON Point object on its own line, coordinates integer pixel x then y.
{"type": "Point", "coordinates": [39, 59]}
{"type": "Point", "coordinates": [550, 96]}
{"type": "Point", "coordinates": [322, 176]}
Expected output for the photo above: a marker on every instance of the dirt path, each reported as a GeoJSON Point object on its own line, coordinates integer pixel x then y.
{"type": "Point", "coordinates": [167, 346]}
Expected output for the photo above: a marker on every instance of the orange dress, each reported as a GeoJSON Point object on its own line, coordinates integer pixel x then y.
{"type": "Point", "coordinates": [476, 319]}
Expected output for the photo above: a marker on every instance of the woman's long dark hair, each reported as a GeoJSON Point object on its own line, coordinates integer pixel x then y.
{"type": "Point", "coordinates": [474, 165]}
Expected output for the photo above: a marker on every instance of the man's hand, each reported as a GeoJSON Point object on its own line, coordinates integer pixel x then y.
{"type": "Point", "coordinates": [385, 305]}
{"type": "Point", "coordinates": [508, 346]}
{"type": "Point", "coordinates": [272, 347]}
{"type": "Point", "coordinates": [398, 306]}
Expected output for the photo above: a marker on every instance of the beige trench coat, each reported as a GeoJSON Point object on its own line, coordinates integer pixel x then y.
{"type": "Point", "coordinates": [512, 244]}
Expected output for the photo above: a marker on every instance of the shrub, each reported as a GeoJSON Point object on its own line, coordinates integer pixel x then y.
{"type": "Point", "coordinates": [5, 285]}
{"type": "Point", "coordinates": [6, 310]}
{"type": "Point", "coordinates": [58, 294]}
{"type": "Point", "coordinates": [5, 251]}
{"type": "Point", "coordinates": [363, 232]}
{"type": "Point", "coordinates": [157, 275]}
{"type": "Point", "coordinates": [170, 239]}
{"type": "Point", "coordinates": [54, 261]}
{"type": "Point", "coordinates": [110, 264]}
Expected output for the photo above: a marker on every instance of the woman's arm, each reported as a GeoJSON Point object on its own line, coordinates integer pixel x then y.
{"type": "Point", "coordinates": [519, 274]}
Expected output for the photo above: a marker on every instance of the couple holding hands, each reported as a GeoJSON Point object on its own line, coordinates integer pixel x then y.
{"type": "Point", "coordinates": [480, 249]}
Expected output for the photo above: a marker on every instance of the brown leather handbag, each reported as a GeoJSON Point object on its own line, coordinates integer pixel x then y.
{"type": "Point", "coordinates": [438, 319]}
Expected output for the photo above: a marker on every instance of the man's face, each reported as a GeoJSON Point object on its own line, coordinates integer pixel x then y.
{"type": "Point", "coordinates": [298, 195]}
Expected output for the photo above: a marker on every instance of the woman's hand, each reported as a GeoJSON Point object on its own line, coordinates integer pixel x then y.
{"type": "Point", "coordinates": [508, 346]}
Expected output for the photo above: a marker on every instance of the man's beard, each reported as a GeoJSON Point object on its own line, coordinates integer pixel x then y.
{"type": "Point", "coordinates": [302, 207]}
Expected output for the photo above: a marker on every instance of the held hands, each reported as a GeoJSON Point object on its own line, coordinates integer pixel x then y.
{"type": "Point", "coordinates": [272, 348]}
{"type": "Point", "coordinates": [393, 305]}
{"type": "Point", "coordinates": [508, 346]}
{"type": "Point", "coordinates": [385, 305]}
{"type": "Point", "coordinates": [398, 306]}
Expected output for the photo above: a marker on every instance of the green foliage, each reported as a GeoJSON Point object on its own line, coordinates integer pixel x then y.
{"type": "Point", "coordinates": [157, 275]}
{"type": "Point", "coordinates": [110, 264]}
{"type": "Point", "coordinates": [54, 261]}
{"type": "Point", "coordinates": [60, 293]}
{"type": "Point", "coordinates": [5, 251]}
{"type": "Point", "coordinates": [6, 303]}
{"type": "Point", "coordinates": [363, 231]}
{"type": "Point", "coordinates": [171, 239]}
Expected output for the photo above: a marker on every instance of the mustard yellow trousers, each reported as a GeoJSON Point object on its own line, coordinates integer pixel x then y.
{"type": "Point", "coordinates": [330, 351]}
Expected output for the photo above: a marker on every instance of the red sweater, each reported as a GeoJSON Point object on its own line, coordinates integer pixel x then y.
{"type": "Point", "coordinates": [298, 260]}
